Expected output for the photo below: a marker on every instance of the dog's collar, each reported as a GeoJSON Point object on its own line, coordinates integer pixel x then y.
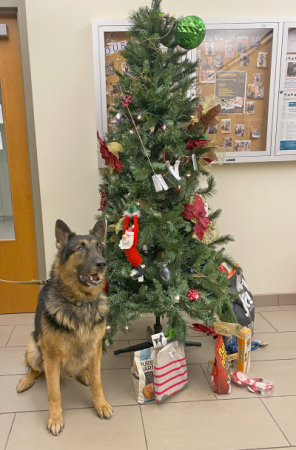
{"type": "Point", "coordinates": [76, 303]}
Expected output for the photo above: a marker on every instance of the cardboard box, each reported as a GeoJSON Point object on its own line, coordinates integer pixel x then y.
{"type": "Point", "coordinates": [244, 350]}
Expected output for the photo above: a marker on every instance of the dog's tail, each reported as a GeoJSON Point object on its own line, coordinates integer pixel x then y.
{"type": "Point", "coordinates": [33, 356]}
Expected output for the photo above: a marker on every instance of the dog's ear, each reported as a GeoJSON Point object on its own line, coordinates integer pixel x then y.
{"type": "Point", "coordinates": [62, 233]}
{"type": "Point", "coordinates": [99, 230]}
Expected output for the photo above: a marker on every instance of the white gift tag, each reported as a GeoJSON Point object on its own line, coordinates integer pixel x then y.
{"type": "Point", "coordinates": [194, 161]}
{"type": "Point", "coordinates": [159, 183]}
{"type": "Point", "coordinates": [174, 170]}
{"type": "Point", "coordinates": [158, 340]}
{"type": "Point", "coordinates": [172, 352]}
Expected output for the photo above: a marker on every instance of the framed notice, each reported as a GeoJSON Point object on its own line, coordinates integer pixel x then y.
{"type": "Point", "coordinates": [286, 137]}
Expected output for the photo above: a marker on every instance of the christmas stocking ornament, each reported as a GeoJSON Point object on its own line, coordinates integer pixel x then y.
{"type": "Point", "coordinates": [129, 241]}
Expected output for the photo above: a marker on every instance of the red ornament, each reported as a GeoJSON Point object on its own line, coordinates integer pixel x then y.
{"type": "Point", "coordinates": [103, 203]}
{"type": "Point", "coordinates": [191, 144]}
{"type": "Point", "coordinates": [223, 269]}
{"type": "Point", "coordinates": [193, 294]}
{"type": "Point", "coordinates": [108, 156]}
{"type": "Point", "coordinates": [126, 99]}
{"type": "Point", "coordinates": [197, 211]}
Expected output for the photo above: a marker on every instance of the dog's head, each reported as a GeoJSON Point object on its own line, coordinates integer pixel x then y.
{"type": "Point", "coordinates": [81, 258]}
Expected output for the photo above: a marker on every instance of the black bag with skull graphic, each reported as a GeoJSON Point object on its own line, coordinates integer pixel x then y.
{"type": "Point", "coordinates": [243, 306]}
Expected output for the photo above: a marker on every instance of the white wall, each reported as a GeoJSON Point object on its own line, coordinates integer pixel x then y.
{"type": "Point", "coordinates": [257, 199]}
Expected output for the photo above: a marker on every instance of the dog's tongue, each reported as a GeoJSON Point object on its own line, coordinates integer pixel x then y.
{"type": "Point", "coordinates": [95, 276]}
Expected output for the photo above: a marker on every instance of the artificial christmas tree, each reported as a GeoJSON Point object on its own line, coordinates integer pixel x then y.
{"type": "Point", "coordinates": [165, 153]}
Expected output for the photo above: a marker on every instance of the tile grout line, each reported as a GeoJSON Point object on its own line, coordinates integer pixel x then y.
{"type": "Point", "coordinates": [267, 320]}
{"type": "Point", "coordinates": [205, 375]}
{"type": "Point", "coordinates": [143, 427]}
{"type": "Point", "coordinates": [147, 406]}
{"type": "Point", "coordinates": [10, 335]}
{"type": "Point", "coordinates": [274, 420]}
{"type": "Point", "coordinates": [10, 431]}
{"type": "Point", "coordinates": [268, 448]}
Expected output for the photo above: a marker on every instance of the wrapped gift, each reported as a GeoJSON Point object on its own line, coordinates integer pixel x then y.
{"type": "Point", "coordinates": [170, 371]}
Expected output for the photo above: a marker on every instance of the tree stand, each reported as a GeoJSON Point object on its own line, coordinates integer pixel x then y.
{"type": "Point", "coordinates": [157, 329]}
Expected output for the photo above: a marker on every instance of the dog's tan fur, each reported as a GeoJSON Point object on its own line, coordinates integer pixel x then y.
{"type": "Point", "coordinates": [70, 338]}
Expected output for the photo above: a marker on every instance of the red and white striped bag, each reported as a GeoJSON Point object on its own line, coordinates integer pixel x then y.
{"type": "Point", "coordinates": [170, 371]}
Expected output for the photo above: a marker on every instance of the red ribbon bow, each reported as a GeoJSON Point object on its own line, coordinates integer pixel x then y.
{"type": "Point", "coordinates": [108, 157]}
{"type": "Point", "coordinates": [193, 294]}
{"type": "Point", "coordinates": [197, 211]}
{"type": "Point", "coordinates": [191, 144]}
{"type": "Point", "coordinates": [208, 331]}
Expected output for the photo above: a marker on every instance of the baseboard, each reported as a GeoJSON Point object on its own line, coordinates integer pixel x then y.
{"type": "Point", "coordinates": [288, 298]}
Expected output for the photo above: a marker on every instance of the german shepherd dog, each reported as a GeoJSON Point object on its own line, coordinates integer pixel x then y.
{"type": "Point", "coordinates": [70, 321]}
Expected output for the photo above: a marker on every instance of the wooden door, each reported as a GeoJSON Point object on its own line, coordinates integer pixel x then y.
{"type": "Point", "coordinates": [18, 258]}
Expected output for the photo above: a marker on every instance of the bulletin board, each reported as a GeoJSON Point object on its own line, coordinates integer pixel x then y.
{"type": "Point", "coordinates": [240, 63]}
{"type": "Point", "coordinates": [235, 65]}
{"type": "Point", "coordinates": [114, 41]}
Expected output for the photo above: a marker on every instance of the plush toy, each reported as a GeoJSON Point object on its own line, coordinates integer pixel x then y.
{"type": "Point", "coordinates": [129, 241]}
{"type": "Point", "coordinates": [256, 385]}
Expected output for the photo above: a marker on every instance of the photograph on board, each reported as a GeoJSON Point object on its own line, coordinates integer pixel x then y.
{"type": "Point", "coordinates": [259, 92]}
{"type": "Point", "coordinates": [255, 131]}
{"type": "Point", "coordinates": [242, 44]}
{"type": "Point", "coordinates": [226, 125]}
{"type": "Point", "coordinates": [250, 107]}
{"type": "Point", "coordinates": [255, 42]}
{"type": "Point", "coordinates": [239, 129]}
{"type": "Point", "coordinates": [262, 59]}
{"type": "Point", "coordinates": [227, 143]}
{"type": "Point", "coordinates": [251, 91]}
{"type": "Point", "coordinates": [257, 79]}
{"type": "Point", "coordinates": [237, 146]}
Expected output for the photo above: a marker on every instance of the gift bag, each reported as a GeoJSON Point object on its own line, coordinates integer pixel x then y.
{"type": "Point", "coordinates": [243, 307]}
{"type": "Point", "coordinates": [170, 371]}
{"type": "Point", "coordinates": [142, 373]}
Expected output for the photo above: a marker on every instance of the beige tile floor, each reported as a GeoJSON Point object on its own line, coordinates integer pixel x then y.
{"type": "Point", "coordinates": [193, 419]}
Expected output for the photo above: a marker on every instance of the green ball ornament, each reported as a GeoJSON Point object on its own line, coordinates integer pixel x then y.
{"type": "Point", "coordinates": [190, 32]}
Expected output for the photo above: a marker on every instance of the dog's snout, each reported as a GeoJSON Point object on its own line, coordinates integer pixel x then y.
{"type": "Point", "coordinates": [101, 263]}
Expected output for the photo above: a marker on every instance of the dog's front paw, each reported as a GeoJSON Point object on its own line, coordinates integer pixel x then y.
{"type": "Point", "coordinates": [24, 384]}
{"type": "Point", "coordinates": [104, 410]}
{"type": "Point", "coordinates": [55, 426]}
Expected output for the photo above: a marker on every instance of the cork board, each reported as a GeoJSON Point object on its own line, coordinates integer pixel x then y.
{"type": "Point", "coordinates": [245, 52]}
{"type": "Point", "coordinates": [248, 53]}
{"type": "Point", "coordinates": [114, 42]}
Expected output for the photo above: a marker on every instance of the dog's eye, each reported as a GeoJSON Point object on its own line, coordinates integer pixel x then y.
{"type": "Point", "coordinates": [98, 246]}
{"type": "Point", "coordinates": [80, 248]}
